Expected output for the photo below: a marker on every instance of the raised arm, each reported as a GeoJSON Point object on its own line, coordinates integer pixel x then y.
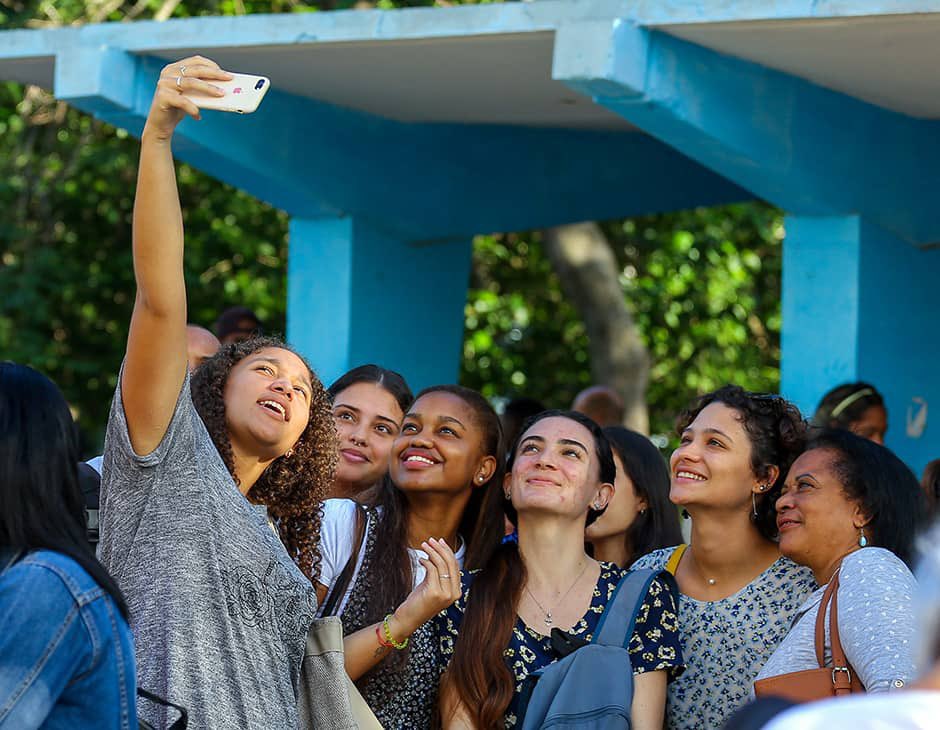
{"type": "Point", "coordinates": [155, 363]}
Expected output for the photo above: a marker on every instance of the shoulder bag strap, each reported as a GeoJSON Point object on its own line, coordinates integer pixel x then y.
{"type": "Point", "coordinates": [615, 627]}
{"type": "Point", "coordinates": [841, 669]}
{"type": "Point", "coordinates": [821, 620]}
{"type": "Point", "coordinates": [673, 562]}
{"type": "Point", "coordinates": [342, 582]}
{"type": "Point", "coordinates": [180, 723]}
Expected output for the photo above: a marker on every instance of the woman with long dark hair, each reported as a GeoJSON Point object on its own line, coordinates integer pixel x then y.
{"type": "Point", "coordinates": [738, 594]}
{"type": "Point", "coordinates": [66, 648]}
{"type": "Point", "coordinates": [368, 404]}
{"type": "Point", "coordinates": [389, 568]}
{"type": "Point", "coordinates": [560, 478]}
{"type": "Point", "coordinates": [639, 518]}
{"type": "Point", "coordinates": [212, 485]}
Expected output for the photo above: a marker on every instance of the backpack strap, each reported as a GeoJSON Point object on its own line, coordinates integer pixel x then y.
{"type": "Point", "coordinates": [673, 563]}
{"type": "Point", "coordinates": [615, 627]}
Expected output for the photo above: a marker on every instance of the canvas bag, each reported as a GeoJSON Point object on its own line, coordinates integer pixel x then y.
{"type": "Point", "coordinates": [327, 699]}
{"type": "Point", "coordinates": [592, 688]}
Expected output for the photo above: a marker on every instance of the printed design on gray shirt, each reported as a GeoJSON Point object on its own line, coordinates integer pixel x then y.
{"type": "Point", "coordinates": [257, 600]}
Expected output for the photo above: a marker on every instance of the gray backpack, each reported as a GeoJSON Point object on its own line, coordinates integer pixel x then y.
{"type": "Point", "coordinates": [592, 687]}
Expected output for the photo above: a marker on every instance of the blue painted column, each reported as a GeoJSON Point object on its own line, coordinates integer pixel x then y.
{"type": "Point", "coordinates": [860, 304]}
{"type": "Point", "coordinates": [357, 295]}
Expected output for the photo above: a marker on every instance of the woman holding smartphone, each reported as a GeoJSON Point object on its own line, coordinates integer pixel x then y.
{"type": "Point", "coordinates": [212, 485]}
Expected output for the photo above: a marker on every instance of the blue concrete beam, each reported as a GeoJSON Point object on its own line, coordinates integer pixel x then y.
{"type": "Point", "coordinates": [420, 181]}
{"type": "Point", "coordinates": [806, 149]}
{"type": "Point", "coordinates": [859, 305]}
{"type": "Point", "coordinates": [357, 295]}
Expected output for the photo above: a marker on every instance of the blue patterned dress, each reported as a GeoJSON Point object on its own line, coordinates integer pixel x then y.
{"type": "Point", "coordinates": [725, 643]}
{"type": "Point", "coordinates": [653, 646]}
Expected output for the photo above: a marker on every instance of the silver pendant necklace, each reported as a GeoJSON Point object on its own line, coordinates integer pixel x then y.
{"type": "Point", "coordinates": [549, 622]}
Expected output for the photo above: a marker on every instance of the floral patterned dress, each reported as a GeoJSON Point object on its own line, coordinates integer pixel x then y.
{"type": "Point", "coordinates": [726, 642]}
{"type": "Point", "coordinates": [654, 645]}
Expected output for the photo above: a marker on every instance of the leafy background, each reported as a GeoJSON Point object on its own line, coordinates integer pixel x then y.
{"type": "Point", "coordinates": [704, 284]}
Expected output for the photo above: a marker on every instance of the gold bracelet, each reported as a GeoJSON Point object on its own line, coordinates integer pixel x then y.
{"type": "Point", "coordinates": [388, 635]}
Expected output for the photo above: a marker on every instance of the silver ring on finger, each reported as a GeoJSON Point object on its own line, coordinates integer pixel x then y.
{"type": "Point", "coordinates": [182, 70]}
{"type": "Point", "coordinates": [179, 83]}
{"type": "Point", "coordinates": [445, 575]}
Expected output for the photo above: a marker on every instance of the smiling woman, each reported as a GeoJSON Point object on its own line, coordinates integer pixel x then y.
{"type": "Point", "coordinates": [738, 593]}
{"type": "Point", "coordinates": [212, 589]}
{"type": "Point", "coordinates": [531, 595]}
{"type": "Point", "coordinates": [406, 549]}
{"type": "Point", "coordinates": [368, 405]}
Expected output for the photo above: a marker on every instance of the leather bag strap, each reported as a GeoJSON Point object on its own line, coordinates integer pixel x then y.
{"type": "Point", "coordinates": [841, 669]}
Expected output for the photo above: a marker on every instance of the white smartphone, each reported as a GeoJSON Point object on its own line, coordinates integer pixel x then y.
{"type": "Point", "coordinates": [243, 94]}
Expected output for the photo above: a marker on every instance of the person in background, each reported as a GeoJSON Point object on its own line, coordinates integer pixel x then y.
{"type": "Point", "coordinates": [212, 483]}
{"type": "Point", "coordinates": [639, 517]}
{"type": "Point", "coordinates": [389, 568]}
{"type": "Point", "coordinates": [738, 593]}
{"type": "Point", "coordinates": [850, 509]}
{"type": "Point", "coordinates": [515, 414]}
{"type": "Point", "coordinates": [368, 405]}
{"type": "Point", "coordinates": [236, 324]}
{"type": "Point", "coordinates": [201, 344]}
{"type": "Point", "coordinates": [560, 478]}
{"type": "Point", "coordinates": [856, 407]}
{"type": "Point", "coordinates": [66, 650]}
{"type": "Point", "coordinates": [930, 483]}
{"type": "Point", "coordinates": [602, 404]}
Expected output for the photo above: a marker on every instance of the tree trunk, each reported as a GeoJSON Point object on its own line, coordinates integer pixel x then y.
{"type": "Point", "coordinates": [585, 263]}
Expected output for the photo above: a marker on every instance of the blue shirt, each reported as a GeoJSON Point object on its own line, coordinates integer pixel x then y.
{"type": "Point", "coordinates": [66, 653]}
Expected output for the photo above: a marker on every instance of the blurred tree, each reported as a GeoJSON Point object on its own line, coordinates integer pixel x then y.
{"type": "Point", "coordinates": [703, 286]}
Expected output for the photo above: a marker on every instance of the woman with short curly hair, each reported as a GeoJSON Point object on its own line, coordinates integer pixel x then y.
{"type": "Point", "coordinates": [737, 593]}
{"type": "Point", "coordinates": [212, 485]}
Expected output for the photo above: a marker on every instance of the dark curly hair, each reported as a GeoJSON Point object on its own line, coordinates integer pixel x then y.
{"type": "Point", "coordinates": [293, 489]}
{"type": "Point", "coordinates": [882, 484]}
{"type": "Point", "coordinates": [778, 435]}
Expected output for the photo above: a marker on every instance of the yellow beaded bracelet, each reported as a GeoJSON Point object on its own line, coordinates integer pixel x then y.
{"type": "Point", "coordinates": [388, 635]}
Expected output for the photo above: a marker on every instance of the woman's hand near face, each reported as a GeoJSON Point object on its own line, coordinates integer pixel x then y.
{"type": "Point", "coordinates": [155, 364]}
{"type": "Point", "coordinates": [439, 589]}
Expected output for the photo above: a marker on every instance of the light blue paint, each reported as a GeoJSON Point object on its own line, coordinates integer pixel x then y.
{"type": "Point", "coordinates": [821, 307]}
{"type": "Point", "coordinates": [357, 295]}
{"type": "Point", "coordinates": [100, 76]}
{"type": "Point", "coordinates": [807, 149]}
{"type": "Point", "coordinates": [427, 181]}
{"type": "Point", "coordinates": [860, 305]}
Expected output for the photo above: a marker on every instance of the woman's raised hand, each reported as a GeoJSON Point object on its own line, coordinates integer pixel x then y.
{"type": "Point", "coordinates": [190, 75]}
{"type": "Point", "coordinates": [439, 589]}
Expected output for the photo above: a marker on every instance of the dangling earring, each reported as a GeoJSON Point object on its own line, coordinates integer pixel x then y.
{"type": "Point", "coordinates": [862, 540]}
{"type": "Point", "coordinates": [289, 453]}
{"type": "Point", "coordinates": [754, 505]}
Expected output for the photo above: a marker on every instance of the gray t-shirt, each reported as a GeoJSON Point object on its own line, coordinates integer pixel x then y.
{"type": "Point", "coordinates": [218, 609]}
{"type": "Point", "coordinates": [877, 626]}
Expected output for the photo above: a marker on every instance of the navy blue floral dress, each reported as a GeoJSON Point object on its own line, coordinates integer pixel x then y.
{"type": "Point", "coordinates": [654, 645]}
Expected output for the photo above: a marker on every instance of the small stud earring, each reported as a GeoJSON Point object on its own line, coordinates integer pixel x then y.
{"type": "Point", "coordinates": [598, 505]}
{"type": "Point", "coordinates": [480, 478]}
{"type": "Point", "coordinates": [289, 453]}
{"type": "Point", "coordinates": [862, 540]}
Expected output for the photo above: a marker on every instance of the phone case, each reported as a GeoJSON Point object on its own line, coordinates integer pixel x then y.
{"type": "Point", "coordinates": [243, 94]}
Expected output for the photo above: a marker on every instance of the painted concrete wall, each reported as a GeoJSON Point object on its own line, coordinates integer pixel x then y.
{"type": "Point", "coordinates": [859, 304]}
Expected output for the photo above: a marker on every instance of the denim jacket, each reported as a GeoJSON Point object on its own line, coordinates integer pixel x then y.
{"type": "Point", "coordinates": [66, 653]}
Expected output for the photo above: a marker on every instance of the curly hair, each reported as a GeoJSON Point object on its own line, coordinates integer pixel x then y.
{"type": "Point", "coordinates": [292, 488]}
{"type": "Point", "coordinates": [777, 433]}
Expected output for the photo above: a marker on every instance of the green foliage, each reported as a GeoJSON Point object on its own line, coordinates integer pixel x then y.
{"type": "Point", "coordinates": [704, 285]}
